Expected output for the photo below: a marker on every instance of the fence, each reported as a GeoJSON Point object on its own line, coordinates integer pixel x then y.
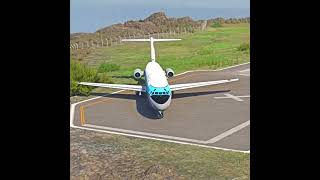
{"type": "Point", "coordinates": [106, 42]}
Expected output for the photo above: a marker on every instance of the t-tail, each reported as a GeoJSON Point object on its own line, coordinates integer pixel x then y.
{"type": "Point", "coordinates": [151, 40]}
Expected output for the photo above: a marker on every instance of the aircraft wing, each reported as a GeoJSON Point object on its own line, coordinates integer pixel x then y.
{"type": "Point", "coordinates": [176, 87]}
{"type": "Point", "coordinates": [116, 86]}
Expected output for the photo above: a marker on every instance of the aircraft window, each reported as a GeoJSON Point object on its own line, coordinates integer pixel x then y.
{"type": "Point", "coordinates": [160, 99]}
{"type": "Point", "coordinates": [156, 92]}
{"type": "Point", "coordinates": [160, 92]}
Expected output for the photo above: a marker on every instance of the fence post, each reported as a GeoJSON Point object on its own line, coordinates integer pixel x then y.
{"type": "Point", "coordinates": [115, 42]}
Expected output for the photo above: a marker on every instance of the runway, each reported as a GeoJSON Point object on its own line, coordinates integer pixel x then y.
{"type": "Point", "coordinates": [215, 116]}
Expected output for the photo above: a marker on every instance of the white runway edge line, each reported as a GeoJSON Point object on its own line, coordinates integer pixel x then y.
{"type": "Point", "coordinates": [229, 132]}
{"type": "Point", "coordinates": [145, 133]}
{"type": "Point", "coordinates": [209, 70]}
{"type": "Point", "coordinates": [246, 70]}
{"type": "Point", "coordinates": [72, 109]}
{"type": "Point", "coordinates": [233, 97]}
{"type": "Point", "coordinates": [157, 139]}
{"type": "Point", "coordinates": [237, 98]}
{"type": "Point", "coordinates": [210, 141]}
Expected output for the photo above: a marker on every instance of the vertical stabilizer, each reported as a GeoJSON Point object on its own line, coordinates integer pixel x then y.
{"type": "Point", "coordinates": [152, 40]}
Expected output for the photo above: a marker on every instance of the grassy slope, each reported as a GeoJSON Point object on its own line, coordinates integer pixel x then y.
{"type": "Point", "coordinates": [210, 49]}
{"type": "Point", "coordinates": [129, 156]}
{"type": "Point", "coordinates": [191, 161]}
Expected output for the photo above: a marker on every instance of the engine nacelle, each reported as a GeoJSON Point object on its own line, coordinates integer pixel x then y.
{"type": "Point", "coordinates": [169, 72]}
{"type": "Point", "coordinates": [137, 74]}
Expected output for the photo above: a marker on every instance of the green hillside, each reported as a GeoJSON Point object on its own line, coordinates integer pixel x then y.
{"type": "Point", "coordinates": [210, 49]}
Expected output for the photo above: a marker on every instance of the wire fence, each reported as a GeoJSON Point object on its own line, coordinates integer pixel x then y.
{"type": "Point", "coordinates": [111, 41]}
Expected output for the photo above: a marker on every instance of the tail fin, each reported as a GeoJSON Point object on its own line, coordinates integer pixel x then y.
{"type": "Point", "coordinates": [153, 54]}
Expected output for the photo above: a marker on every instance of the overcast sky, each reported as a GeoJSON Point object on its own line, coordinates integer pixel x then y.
{"type": "Point", "coordinates": [90, 15]}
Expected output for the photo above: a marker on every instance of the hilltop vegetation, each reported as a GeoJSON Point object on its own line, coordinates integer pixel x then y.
{"type": "Point", "coordinates": [155, 23]}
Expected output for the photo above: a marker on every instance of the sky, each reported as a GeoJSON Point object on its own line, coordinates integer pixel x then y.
{"type": "Point", "coordinates": [91, 15]}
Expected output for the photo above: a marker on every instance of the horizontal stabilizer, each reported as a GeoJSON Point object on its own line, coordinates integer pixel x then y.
{"type": "Point", "coordinates": [148, 40]}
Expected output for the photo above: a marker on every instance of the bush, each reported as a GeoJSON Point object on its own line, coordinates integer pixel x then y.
{"type": "Point", "coordinates": [80, 72]}
{"type": "Point", "coordinates": [244, 47]}
{"type": "Point", "coordinates": [103, 78]}
{"type": "Point", "coordinates": [106, 67]}
{"type": "Point", "coordinates": [216, 25]}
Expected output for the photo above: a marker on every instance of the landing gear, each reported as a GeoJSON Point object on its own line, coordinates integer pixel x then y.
{"type": "Point", "coordinates": [139, 93]}
{"type": "Point", "coordinates": [160, 114]}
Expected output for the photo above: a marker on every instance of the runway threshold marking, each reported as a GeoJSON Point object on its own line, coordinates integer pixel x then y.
{"type": "Point", "coordinates": [229, 132]}
{"type": "Point", "coordinates": [237, 98]}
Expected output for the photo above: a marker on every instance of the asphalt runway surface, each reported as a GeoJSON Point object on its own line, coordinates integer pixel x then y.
{"type": "Point", "coordinates": [216, 116]}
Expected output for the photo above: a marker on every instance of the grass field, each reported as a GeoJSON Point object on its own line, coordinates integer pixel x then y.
{"type": "Point", "coordinates": [210, 49]}
{"type": "Point", "coordinates": [129, 158]}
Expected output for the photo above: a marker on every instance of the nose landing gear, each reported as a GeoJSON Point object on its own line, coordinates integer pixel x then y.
{"type": "Point", "coordinates": [160, 114]}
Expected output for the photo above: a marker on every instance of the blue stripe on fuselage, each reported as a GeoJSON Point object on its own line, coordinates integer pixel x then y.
{"type": "Point", "coordinates": [151, 89]}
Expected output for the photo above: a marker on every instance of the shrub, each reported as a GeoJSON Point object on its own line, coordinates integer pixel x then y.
{"type": "Point", "coordinates": [107, 67]}
{"type": "Point", "coordinates": [80, 72]}
{"type": "Point", "coordinates": [103, 78]}
{"type": "Point", "coordinates": [244, 47]}
{"type": "Point", "coordinates": [216, 25]}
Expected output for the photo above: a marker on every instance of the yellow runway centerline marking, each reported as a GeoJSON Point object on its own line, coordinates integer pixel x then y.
{"type": "Point", "coordinates": [81, 115]}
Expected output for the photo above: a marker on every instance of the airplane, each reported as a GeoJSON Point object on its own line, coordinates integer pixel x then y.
{"type": "Point", "coordinates": [156, 85]}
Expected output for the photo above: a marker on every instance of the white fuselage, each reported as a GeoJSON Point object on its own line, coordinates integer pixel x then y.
{"type": "Point", "coordinates": [158, 90]}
